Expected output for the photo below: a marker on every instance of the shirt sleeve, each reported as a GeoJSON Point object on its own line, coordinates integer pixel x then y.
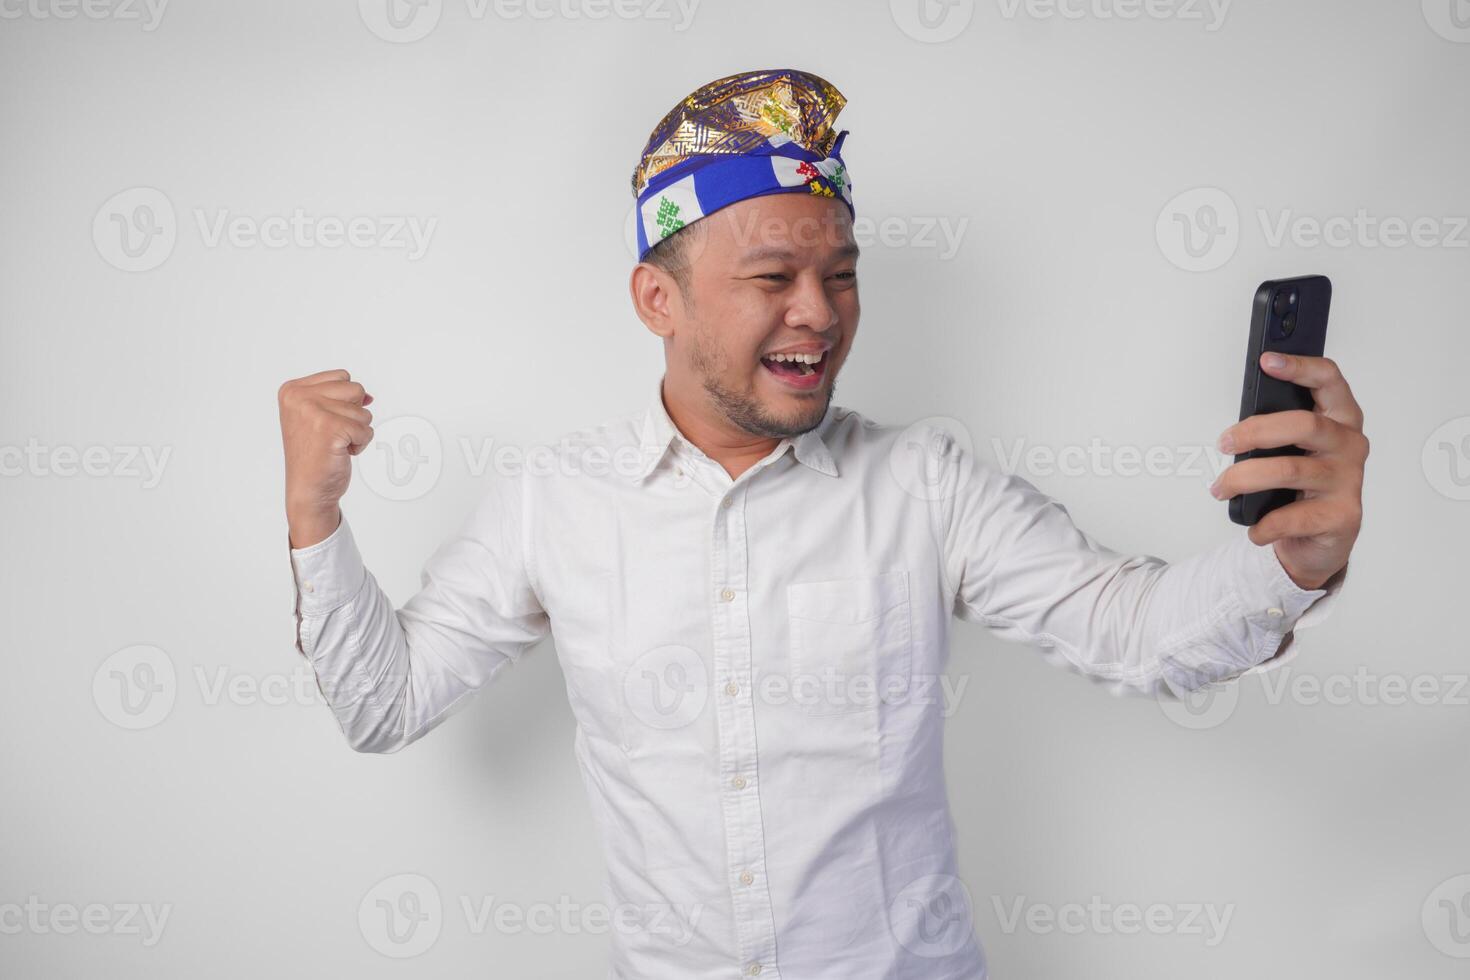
{"type": "Point", "coordinates": [1136, 623]}
{"type": "Point", "coordinates": [390, 677]}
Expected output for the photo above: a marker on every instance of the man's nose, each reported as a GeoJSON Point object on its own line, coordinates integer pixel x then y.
{"type": "Point", "coordinates": [811, 306]}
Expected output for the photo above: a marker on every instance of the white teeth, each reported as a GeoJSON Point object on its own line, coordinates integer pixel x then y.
{"type": "Point", "coordinates": [795, 358]}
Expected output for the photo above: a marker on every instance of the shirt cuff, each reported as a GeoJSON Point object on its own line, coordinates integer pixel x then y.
{"type": "Point", "coordinates": [1269, 598]}
{"type": "Point", "coordinates": [328, 573]}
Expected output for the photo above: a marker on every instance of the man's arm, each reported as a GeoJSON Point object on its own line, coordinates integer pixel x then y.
{"type": "Point", "coordinates": [391, 677]}
{"type": "Point", "coordinates": [1020, 566]}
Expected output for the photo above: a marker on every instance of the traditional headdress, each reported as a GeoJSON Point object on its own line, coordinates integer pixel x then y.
{"type": "Point", "coordinates": [758, 132]}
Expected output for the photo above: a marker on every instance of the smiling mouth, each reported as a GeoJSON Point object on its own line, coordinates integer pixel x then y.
{"type": "Point", "coordinates": [797, 370]}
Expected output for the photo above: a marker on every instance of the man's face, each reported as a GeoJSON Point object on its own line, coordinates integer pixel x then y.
{"type": "Point", "coordinates": [771, 274]}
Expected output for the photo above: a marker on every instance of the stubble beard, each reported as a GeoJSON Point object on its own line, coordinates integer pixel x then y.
{"type": "Point", "coordinates": [745, 410]}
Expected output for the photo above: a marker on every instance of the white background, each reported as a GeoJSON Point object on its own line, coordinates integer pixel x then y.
{"type": "Point", "coordinates": [1057, 138]}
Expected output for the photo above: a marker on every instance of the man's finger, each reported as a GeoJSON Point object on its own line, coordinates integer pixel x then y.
{"type": "Point", "coordinates": [347, 410]}
{"type": "Point", "coordinates": [335, 375]}
{"type": "Point", "coordinates": [357, 436]}
{"type": "Point", "coordinates": [342, 391]}
{"type": "Point", "coordinates": [1308, 430]}
{"type": "Point", "coordinates": [1321, 374]}
{"type": "Point", "coordinates": [1274, 473]}
{"type": "Point", "coordinates": [1301, 519]}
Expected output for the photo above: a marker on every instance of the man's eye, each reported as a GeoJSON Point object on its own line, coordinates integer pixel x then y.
{"type": "Point", "coordinates": [849, 274]}
{"type": "Point", "coordinates": [773, 275]}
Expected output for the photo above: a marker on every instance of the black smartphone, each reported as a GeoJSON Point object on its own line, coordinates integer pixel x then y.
{"type": "Point", "coordinates": [1288, 316]}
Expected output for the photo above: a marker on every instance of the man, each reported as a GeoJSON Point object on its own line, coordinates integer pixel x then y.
{"type": "Point", "coordinates": [751, 588]}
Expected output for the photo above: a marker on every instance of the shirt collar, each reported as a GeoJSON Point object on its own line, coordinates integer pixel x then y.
{"type": "Point", "coordinates": [659, 433]}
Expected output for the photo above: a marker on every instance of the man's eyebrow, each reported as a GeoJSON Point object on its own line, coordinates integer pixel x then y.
{"type": "Point", "coordinates": [848, 250]}
{"type": "Point", "coordinates": [768, 252]}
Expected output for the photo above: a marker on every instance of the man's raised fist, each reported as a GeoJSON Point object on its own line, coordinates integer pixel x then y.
{"type": "Point", "coordinates": [324, 422]}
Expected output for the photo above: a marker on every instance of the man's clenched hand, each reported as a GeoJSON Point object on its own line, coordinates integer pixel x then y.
{"type": "Point", "coordinates": [324, 422]}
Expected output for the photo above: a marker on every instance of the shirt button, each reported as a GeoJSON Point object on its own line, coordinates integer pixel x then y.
{"type": "Point", "coordinates": [1275, 613]}
{"type": "Point", "coordinates": [726, 502]}
{"type": "Point", "coordinates": [746, 877]}
{"type": "Point", "coordinates": [755, 969]}
{"type": "Point", "coordinates": [732, 689]}
{"type": "Point", "coordinates": [738, 782]}
{"type": "Point", "coordinates": [307, 587]}
{"type": "Point", "coordinates": [727, 594]}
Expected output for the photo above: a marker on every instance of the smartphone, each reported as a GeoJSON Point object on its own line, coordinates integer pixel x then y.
{"type": "Point", "coordinates": [1289, 316]}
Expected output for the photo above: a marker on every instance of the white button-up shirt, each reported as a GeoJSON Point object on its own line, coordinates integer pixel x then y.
{"type": "Point", "coordinates": [755, 668]}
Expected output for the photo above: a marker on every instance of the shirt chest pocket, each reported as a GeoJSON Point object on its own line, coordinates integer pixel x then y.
{"type": "Point", "coordinates": [851, 642]}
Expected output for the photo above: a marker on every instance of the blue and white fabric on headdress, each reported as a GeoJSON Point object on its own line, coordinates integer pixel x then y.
{"type": "Point", "coordinates": [761, 132]}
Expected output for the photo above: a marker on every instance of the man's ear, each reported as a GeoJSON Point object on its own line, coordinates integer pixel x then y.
{"type": "Point", "coordinates": [656, 298]}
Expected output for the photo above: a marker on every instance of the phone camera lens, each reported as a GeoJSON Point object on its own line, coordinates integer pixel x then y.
{"type": "Point", "coordinates": [1288, 324]}
{"type": "Point", "coordinates": [1281, 304]}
